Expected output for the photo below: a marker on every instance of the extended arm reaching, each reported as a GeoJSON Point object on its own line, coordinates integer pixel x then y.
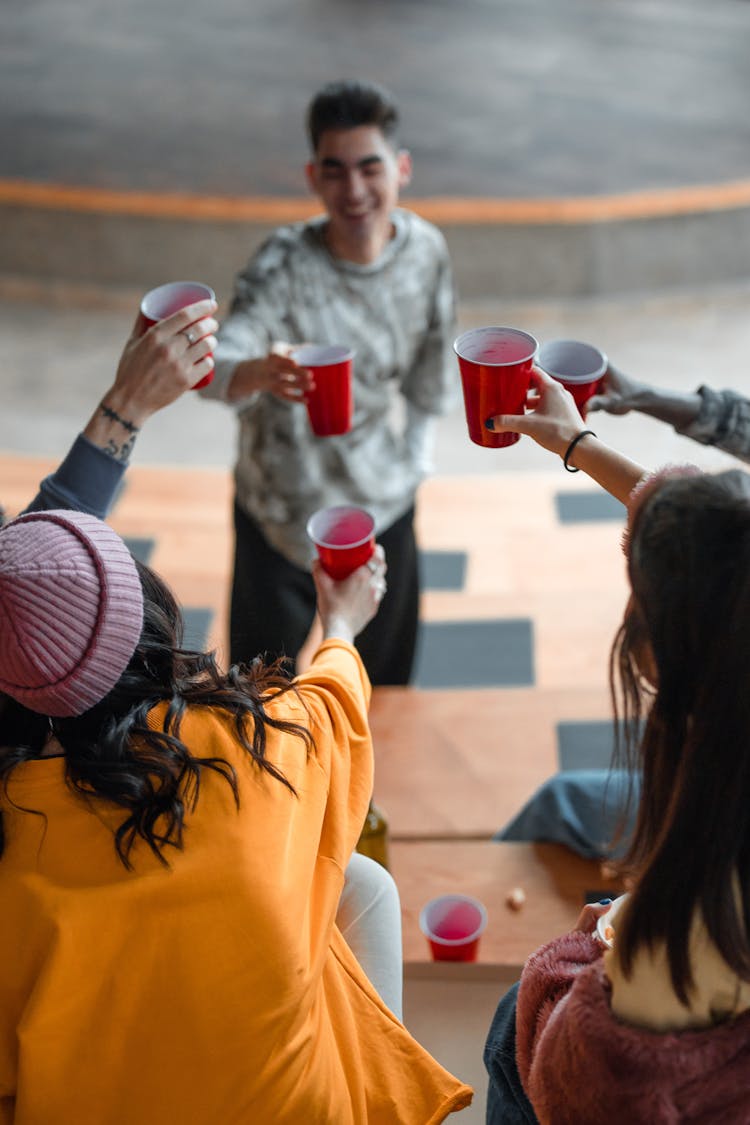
{"type": "Point", "coordinates": [153, 371]}
{"type": "Point", "coordinates": [720, 418]}
{"type": "Point", "coordinates": [554, 422]}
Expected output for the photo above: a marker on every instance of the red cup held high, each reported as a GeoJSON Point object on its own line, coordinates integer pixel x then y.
{"type": "Point", "coordinates": [161, 302]}
{"type": "Point", "coordinates": [344, 537]}
{"type": "Point", "coordinates": [495, 365]}
{"type": "Point", "coordinates": [578, 366]}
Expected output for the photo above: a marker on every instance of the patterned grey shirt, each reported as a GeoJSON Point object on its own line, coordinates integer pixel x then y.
{"type": "Point", "coordinates": [398, 315]}
{"type": "Point", "coordinates": [723, 421]}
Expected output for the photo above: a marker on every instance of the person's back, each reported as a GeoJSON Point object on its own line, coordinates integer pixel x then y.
{"type": "Point", "coordinates": [174, 843]}
{"type": "Point", "coordinates": [656, 1029]}
{"type": "Point", "coordinates": [203, 991]}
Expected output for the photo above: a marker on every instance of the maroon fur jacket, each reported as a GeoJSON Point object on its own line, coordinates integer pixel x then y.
{"type": "Point", "coordinates": [580, 1065]}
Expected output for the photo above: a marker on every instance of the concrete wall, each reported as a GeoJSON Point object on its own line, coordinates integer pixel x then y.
{"type": "Point", "coordinates": [503, 260]}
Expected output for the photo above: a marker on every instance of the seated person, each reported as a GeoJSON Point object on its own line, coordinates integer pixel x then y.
{"type": "Point", "coordinates": [154, 370]}
{"type": "Point", "coordinates": [587, 810]}
{"type": "Point", "coordinates": [657, 1028]}
{"type": "Point", "coordinates": [584, 808]}
{"type": "Point", "coordinates": [173, 848]}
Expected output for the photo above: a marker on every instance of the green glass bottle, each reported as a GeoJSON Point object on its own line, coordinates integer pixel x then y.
{"type": "Point", "coordinates": [374, 839]}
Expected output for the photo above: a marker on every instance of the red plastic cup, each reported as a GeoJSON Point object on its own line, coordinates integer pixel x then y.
{"type": "Point", "coordinates": [495, 365]}
{"type": "Point", "coordinates": [453, 925]}
{"type": "Point", "coordinates": [344, 537]}
{"type": "Point", "coordinates": [329, 404]}
{"type": "Point", "coordinates": [579, 367]}
{"type": "Point", "coordinates": [161, 302]}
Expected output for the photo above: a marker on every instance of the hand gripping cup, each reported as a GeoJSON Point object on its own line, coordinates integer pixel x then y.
{"type": "Point", "coordinates": [329, 404]}
{"type": "Point", "coordinates": [453, 925]}
{"type": "Point", "coordinates": [579, 367]}
{"type": "Point", "coordinates": [161, 302]}
{"type": "Point", "coordinates": [495, 366]}
{"type": "Point", "coordinates": [344, 537]}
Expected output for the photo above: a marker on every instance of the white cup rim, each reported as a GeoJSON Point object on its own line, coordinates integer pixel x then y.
{"type": "Point", "coordinates": [321, 355]}
{"type": "Point", "coordinates": [330, 511]}
{"type": "Point", "coordinates": [450, 898]}
{"type": "Point", "coordinates": [162, 291]}
{"type": "Point", "coordinates": [487, 329]}
{"type": "Point", "coordinates": [598, 357]}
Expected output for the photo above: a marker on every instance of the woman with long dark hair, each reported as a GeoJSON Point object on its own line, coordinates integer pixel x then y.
{"type": "Point", "coordinates": [657, 1028]}
{"type": "Point", "coordinates": [176, 862]}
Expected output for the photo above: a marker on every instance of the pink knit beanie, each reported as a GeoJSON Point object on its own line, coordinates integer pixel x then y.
{"type": "Point", "coordinates": [71, 611]}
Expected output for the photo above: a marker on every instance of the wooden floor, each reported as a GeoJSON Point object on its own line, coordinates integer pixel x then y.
{"type": "Point", "coordinates": [452, 764]}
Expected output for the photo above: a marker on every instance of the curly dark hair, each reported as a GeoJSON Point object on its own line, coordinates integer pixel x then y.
{"type": "Point", "coordinates": [112, 754]}
{"type": "Point", "coordinates": [687, 627]}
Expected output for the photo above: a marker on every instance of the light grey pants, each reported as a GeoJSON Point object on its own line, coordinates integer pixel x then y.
{"type": "Point", "coordinates": [369, 917]}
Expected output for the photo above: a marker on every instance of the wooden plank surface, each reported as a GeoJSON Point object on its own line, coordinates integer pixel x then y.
{"type": "Point", "coordinates": [553, 879]}
{"type": "Point", "coordinates": [462, 762]}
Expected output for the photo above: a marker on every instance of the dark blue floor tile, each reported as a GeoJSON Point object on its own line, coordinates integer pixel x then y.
{"type": "Point", "coordinates": [585, 745]}
{"type": "Point", "coordinates": [443, 570]}
{"type": "Point", "coordinates": [588, 507]}
{"type": "Point", "coordinates": [140, 549]}
{"type": "Point", "coordinates": [457, 654]}
{"type": "Point", "coordinates": [197, 624]}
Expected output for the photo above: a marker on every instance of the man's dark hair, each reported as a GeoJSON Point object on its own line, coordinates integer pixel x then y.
{"type": "Point", "coordinates": [346, 105]}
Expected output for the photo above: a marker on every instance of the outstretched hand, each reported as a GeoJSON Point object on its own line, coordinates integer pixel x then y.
{"type": "Point", "coordinates": [168, 359]}
{"type": "Point", "coordinates": [346, 607]}
{"type": "Point", "coordinates": [552, 417]}
{"type": "Point", "coordinates": [276, 373]}
{"type": "Point", "coordinates": [618, 393]}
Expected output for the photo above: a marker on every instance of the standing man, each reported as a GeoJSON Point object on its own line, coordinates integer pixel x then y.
{"type": "Point", "coordinates": [377, 279]}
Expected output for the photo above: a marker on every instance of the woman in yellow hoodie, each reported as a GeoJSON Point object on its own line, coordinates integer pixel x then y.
{"type": "Point", "coordinates": [173, 848]}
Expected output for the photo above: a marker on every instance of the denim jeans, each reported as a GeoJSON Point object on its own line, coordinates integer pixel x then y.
{"type": "Point", "coordinates": [579, 808]}
{"type": "Point", "coordinates": [507, 1103]}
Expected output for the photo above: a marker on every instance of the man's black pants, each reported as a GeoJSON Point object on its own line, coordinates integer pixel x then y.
{"type": "Point", "coordinates": [273, 603]}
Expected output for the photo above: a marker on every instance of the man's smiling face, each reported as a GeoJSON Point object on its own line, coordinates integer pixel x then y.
{"type": "Point", "coordinates": [357, 175]}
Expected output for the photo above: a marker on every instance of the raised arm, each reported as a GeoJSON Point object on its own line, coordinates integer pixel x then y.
{"type": "Point", "coordinates": [620, 394]}
{"type": "Point", "coordinates": [153, 371]}
{"type": "Point", "coordinates": [555, 423]}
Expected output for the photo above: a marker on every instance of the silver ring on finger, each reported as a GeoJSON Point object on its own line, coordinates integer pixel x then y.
{"type": "Point", "coordinates": [188, 334]}
{"type": "Point", "coordinates": [372, 566]}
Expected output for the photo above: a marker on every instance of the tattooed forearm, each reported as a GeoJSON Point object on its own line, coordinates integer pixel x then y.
{"type": "Point", "coordinates": [120, 452]}
{"type": "Point", "coordinates": [108, 412]}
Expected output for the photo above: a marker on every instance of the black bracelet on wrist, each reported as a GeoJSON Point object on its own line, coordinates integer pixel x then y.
{"type": "Point", "coordinates": [108, 412]}
{"type": "Point", "coordinates": [571, 447]}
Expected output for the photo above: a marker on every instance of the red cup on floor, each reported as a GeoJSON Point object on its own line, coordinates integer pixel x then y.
{"type": "Point", "coordinates": [579, 367]}
{"type": "Point", "coordinates": [495, 365]}
{"type": "Point", "coordinates": [161, 302]}
{"type": "Point", "coordinates": [344, 537]}
{"type": "Point", "coordinates": [453, 925]}
{"type": "Point", "coordinates": [329, 404]}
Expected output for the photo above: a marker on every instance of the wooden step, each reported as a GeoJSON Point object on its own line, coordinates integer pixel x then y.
{"type": "Point", "coordinates": [555, 881]}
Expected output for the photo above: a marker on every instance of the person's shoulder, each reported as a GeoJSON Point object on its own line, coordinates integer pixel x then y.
{"type": "Point", "coordinates": [421, 230]}
{"type": "Point", "coordinates": [279, 250]}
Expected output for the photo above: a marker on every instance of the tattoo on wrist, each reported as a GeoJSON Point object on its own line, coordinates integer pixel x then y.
{"type": "Point", "coordinates": [108, 412]}
{"type": "Point", "coordinates": [122, 452]}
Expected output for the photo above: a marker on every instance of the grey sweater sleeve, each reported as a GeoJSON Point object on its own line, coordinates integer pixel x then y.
{"type": "Point", "coordinates": [87, 480]}
{"type": "Point", "coordinates": [723, 421]}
